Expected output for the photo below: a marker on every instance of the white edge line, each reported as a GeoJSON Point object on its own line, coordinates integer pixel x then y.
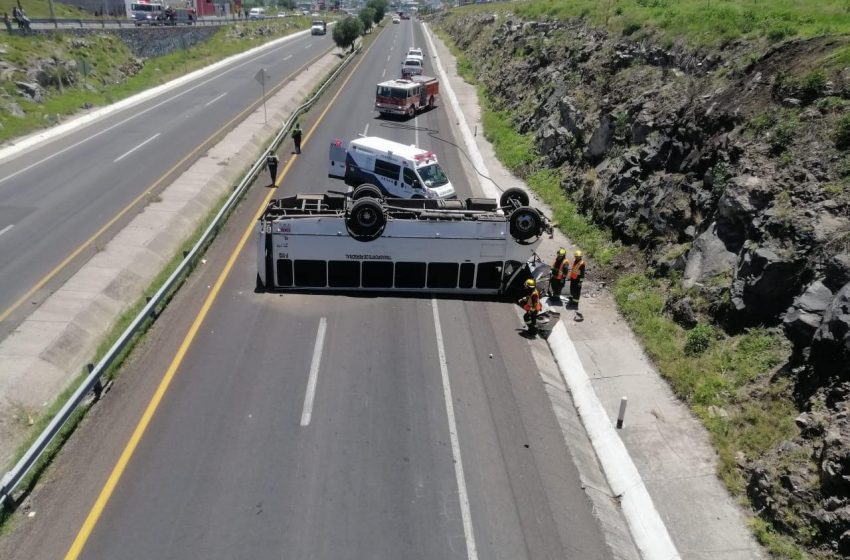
{"type": "Point", "coordinates": [38, 138]}
{"type": "Point", "coordinates": [287, 57]}
{"type": "Point", "coordinates": [384, 73]}
{"type": "Point", "coordinates": [119, 158]}
{"type": "Point", "coordinates": [7, 228]}
{"type": "Point", "coordinates": [468, 531]}
{"type": "Point", "coordinates": [310, 395]}
{"type": "Point", "coordinates": [366, 130]}
{"type": "Point", "coordinates": [645, 524]}
{"type": "Point", "coordinates": [211, 101]}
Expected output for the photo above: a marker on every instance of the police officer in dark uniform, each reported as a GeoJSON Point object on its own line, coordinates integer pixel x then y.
{"type": "Point", "coordinates": [296, 136]}
{"type": "Point", "coordinates": [272, 162]}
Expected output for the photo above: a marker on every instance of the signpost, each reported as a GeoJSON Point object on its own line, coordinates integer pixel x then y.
{"type": "Point", "coordinates": [261, 77]}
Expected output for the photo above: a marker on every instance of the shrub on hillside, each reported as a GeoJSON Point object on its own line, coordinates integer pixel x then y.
{"type": "Point", "coordinates": [698, 339]}
{"type": "Point", "coordinates": [841, 134]}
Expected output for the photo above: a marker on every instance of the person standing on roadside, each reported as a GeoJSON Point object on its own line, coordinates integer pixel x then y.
{"type": "Point", "coordinates": [557, 279]}
{"type": "Point", "coordinates": [296, 137]}
{"type": "Point", "coordinates": [272, 162]}
{"type": "Point", "coordinates": [576, 277]}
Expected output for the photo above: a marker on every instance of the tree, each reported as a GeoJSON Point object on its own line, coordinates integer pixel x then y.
{"type": "Point", "coordinates": [367, 17]}
{"type": "Point", "coordinates": [380, 7]}
{"type": "Point", "coordinates": [347, 31]}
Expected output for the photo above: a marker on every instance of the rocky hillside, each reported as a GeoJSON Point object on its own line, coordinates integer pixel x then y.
{"type": "Point", "coordinates": [729, 169]}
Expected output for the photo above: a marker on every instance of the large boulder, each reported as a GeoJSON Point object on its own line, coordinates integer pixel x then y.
{"type": "Point", "coordinates": [765, 283]}
{"type": "Point", "coordinates": [601, 140]}
{"type": "Point", "coordinates": [30, 90]}
{"type": "Point", "coordinates": [837, 271]}
{"type": "Point", "coordinates": [739, 207]}
{"type": "Point", "coordinates": [708, 257]}
{"type": "Point", "coordinates": [804, 316]}
{"type": "Point", "coordinates": [831, 342]}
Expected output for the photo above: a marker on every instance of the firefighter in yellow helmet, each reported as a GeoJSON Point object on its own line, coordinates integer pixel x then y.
{"type": "Point", "coordinates": [532, 306]}
{"type": "Point", "coordinates": [576, 277]}
{"type": "Point", "coordinates": [559, 274]}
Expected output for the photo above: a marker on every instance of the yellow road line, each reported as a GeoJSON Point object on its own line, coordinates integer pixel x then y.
{"type": "Point", "coordinates": [107, 490]}
{"type": "Point", "coordinates": [88, 242]}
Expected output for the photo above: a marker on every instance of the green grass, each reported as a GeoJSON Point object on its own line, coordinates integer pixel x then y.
{"type": "Point", "coordinates": [699, 22]}
{"type": "Point", "coordinates": [729, 372]}
{"type": "Point", "coordinates": [39, 9]}
{"type": "Point", "coordinates": [106, 54]}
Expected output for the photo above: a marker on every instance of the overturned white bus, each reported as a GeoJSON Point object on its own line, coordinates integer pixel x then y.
{"type": "Point", "coordinates": [339, 242]}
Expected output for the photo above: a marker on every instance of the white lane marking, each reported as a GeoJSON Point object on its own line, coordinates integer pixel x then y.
{"type": "Point", "coordinates": [7, 228]}
{"type": "Point", "coordinates": [136, 148]}
{"type": "Point", "coordinates": [208, 103]}
{"type": "Point", "coordinates": [287, 57]}
{"type": "Point", "coordinates": [366, 130]}
{"type": "Point", "coordinates": [308, 46]}
{"type": "Point", "coordinates": [124, 121]}
{"type": "Point", "coordinates": [384, 73]}
{"type": "Point", "coordinates": [471, 552]}
{"type": "Point", "coordinates": [307, 413]}
{"type": "Point", "coordinates": [388, 58]}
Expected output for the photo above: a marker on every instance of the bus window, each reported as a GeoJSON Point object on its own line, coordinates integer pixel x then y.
{"type": "Point", "coordinates": [344, 274]}
{"type": "Point", "coordinates": [377, 274]}
{"type": "Point", "coordinates": [467, 275]}
{"type": "Point", "coordinates": [489, 275]}
{"type": "Point", "coordinates": [311, 274]}
{"type": "Point", "coordinates": [284, 272]}
{"type": "Point", "coordinates": [410, 275]}
{"type": "Point", "coordinates": [442, 275]}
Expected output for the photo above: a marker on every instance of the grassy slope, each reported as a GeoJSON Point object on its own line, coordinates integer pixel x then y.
{"type": "Point", "coordinates": [106, 54]}
{"type": "Point", "coordinates": [727, 380]}
{"type": "Point", "coordinates": [38, 9]}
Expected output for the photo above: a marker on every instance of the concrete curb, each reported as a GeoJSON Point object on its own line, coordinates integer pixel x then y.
{"type": "Point", "coordinates": [27, 142]}
{"type": "Point", "coordinates": [647, 529]}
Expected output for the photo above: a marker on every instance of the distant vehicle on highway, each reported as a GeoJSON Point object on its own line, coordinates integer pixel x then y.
{"type": "Point", "coordinates": [176, 16]}
{"type": "Point", "coordinates": [257, 13]}
{"type": "Point", "coordinates": [336, 242]}
{"type": "Point", "coordinates": [415, 52]}
{"type": "Point", "coordinates": [394, 169]}
{"type": "Point", "coordinates": [318, 27]}
{"type": "Point", "coordinates": [411, 67]}
{"type": "Point", "coordinates": [146, 13]}
{"type": "Point", "coordinates": [396, 20]}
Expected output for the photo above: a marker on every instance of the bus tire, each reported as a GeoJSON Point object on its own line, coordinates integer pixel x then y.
{"type": "Point", "coordinates": [366, 220]}
{"type": "Point", "coordinates": [525, 223]}
{"type": "Point", "coordinates": [367, 190]}
{"type": "Point", "coordinates": [514, 197]}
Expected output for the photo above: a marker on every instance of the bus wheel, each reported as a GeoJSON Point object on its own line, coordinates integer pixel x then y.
{"type": "Point", "coordinates": [367, 190]}
{"type": "Point", "coordinates": [514, 197]}
{"type": "Point", "coordinates": [366, 219]}
{"type": "Point", "coordinates": [525, 223]}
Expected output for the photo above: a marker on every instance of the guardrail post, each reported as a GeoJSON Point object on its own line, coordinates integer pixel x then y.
{"type": "Point", "coordinates": [98, 385]}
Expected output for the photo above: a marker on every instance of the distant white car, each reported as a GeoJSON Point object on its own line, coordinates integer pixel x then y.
{"type": "Point", "coordinates": [396, 20]}
{"type": "Point", "coordinates": [257, 13]}
{"type": "Point", "coordinates": [415, 53]}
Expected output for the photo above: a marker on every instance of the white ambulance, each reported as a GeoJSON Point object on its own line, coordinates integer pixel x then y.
{"type": "Point", "coordinates": [394, 169]}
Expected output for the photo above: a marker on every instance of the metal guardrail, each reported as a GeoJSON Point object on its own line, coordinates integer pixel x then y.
{"type": "Point", "coordinates": [13, 478]}
{"type": "Point", "coordinates": [112, 23]}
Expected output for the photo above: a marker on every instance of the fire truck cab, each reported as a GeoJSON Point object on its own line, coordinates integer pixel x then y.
{"type": "Point", "coordinates": [406, 96]}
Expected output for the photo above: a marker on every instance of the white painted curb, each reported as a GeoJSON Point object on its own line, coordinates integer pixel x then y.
{"type": "Point", "coordinates": [647, 528]}
{"type": "Point", "coordinates": [645, 524]}
{"type": "Point", "coordinates": [28, 142]}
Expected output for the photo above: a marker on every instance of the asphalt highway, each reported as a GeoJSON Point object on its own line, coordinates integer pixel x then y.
{"type": "Point", "coordinates": [56, 199]}
{"type": "Point", "coordinates": [330, 426]}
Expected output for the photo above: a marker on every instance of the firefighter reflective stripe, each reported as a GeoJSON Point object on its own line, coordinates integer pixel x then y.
{"type": "Point", "coordinates": [558, 269]}
{"type": "Point", "coordinates": [533, 302]}
{"type": "Point", "coordinates": [577, 270]}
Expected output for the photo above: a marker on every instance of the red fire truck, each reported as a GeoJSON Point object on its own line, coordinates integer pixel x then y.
{"type": "Point", "coordinates": [406, 96]}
